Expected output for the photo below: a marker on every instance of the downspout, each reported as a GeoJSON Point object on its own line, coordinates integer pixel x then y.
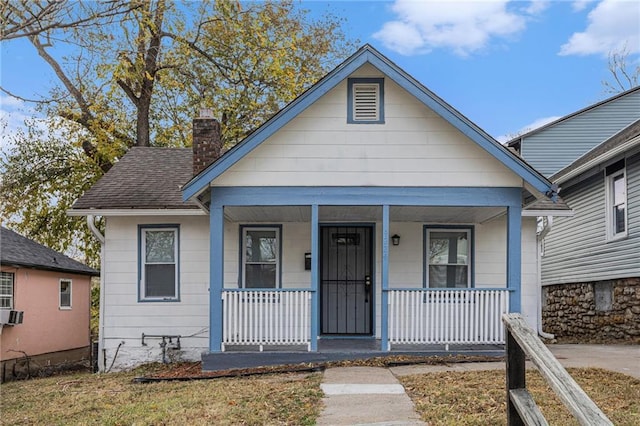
{"type": "Point", "coordinates": [96, 232]}
{"type": "Point", "coordinates": [540, 238]}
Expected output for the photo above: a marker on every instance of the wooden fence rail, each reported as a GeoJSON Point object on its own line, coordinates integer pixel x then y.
{"type": "Point", "coordinates": [523, 342]}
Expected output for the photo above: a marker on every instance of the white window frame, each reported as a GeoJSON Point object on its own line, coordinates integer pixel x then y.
{"type": "Point", "coordinates": [610, 217]}
{"type": "Point", "coordinates": [243, 254]}
{"type": "Point", "coordinates": [13, 289]}
{"type": "Point", "coordinates": [60, 305]}
{"type": "Point", "coordinates": [427, 236]}
{"type": "Point", "coordinates": [142, 288]}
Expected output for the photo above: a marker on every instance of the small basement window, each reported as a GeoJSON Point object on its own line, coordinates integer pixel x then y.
{"type": "Point", "coordinates": [365, 101]}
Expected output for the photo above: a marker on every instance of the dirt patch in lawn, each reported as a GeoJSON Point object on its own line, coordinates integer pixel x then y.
{"type": "Point", "coordinates": [193, 370]}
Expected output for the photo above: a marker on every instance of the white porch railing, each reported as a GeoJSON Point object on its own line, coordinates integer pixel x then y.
{"type": "Point", "coordinates": [428, 316]}
{"type": "Point", "coordinates": [266, 317]}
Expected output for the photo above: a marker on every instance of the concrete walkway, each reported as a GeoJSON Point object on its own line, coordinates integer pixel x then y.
{"type": "Point", "coordinates": [365, 395]}
{"type": "Point", "coordinates": [373, 396]}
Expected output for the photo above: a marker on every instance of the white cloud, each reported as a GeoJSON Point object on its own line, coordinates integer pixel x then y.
{"type": "Point", "coordinates": [536, 7]}
{"type": "Point", "coordinates": [13, 116]}
{"type": "Point", "coordinates": [612, 25]}
{"type": "Point", "coordinates": [580, 5]}
{"type": "Point", "coordinates": [463, 26]}
{"type": "Point", "coordinates": [539, 122]}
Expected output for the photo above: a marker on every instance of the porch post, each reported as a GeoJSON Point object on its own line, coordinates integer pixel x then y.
{"type": "Point", "coordinates": [384, 301]}
{"type": "Point", "coordinates": [514, 257]}
{"type": "Point", "coordinates": [216, 265]}
{"type": "Point", "coordinates": [315, 269]}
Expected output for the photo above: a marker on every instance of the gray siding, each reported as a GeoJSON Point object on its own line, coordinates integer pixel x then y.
{"type": "Point", "coordinates": [576, 249]}
{"type": "Point", "coordinates": [559, 145]}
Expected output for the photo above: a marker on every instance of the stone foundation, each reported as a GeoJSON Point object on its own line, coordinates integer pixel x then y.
{"type": "Point", "coordinates": [595, 311]}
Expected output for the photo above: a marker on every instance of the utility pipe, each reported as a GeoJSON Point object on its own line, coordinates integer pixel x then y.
{"type": "Point", "coordinates": [96, 232]}
{"type": "Point", "coordinates": [540, 238]}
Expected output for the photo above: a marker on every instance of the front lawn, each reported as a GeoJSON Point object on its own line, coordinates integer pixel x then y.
{"type": "Point", "coordinates": [112, 399]}
{"type": "Point", "coordinates": [478, 397]}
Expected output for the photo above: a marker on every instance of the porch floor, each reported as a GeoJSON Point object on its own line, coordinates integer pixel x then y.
{"type": "Point", "coordinates": [331, 350]}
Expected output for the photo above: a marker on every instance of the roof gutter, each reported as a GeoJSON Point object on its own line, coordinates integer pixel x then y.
{"type": "Point", "coordinates": [94, 229]}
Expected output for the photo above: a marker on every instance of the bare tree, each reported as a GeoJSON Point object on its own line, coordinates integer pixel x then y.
{"type": "Point", "coordinates": [622, 76]}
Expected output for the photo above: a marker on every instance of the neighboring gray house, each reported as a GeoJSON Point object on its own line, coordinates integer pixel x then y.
{"type": "Point", "coordinates": [556, 145]}
{"type": "Point", "coordinates": [591, 261]}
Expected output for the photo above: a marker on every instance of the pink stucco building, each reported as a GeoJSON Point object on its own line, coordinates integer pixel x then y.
{"type": "Point", "coordinates": [44, 307]}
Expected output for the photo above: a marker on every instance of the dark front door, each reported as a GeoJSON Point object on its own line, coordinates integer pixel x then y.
{"type": "Point", "coordinates": [346, 286]}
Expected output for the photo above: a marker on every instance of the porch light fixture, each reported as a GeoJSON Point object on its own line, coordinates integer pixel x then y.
{"type": "Point", "coordinates": [395, 239]}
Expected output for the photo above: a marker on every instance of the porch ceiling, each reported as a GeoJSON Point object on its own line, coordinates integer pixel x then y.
{"type": "Point", "coordinates": [278, 214]}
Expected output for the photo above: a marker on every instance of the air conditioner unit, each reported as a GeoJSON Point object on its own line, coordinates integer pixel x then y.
{"type": "Point", "coordinates": [15, 317]}
{"type": "Point", "coordinates": [8, 317]}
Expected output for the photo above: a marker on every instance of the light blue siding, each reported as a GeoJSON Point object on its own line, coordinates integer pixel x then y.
{"type": "Point", "coordinates": [558, 145]}
{"type": "Point", "coordinates": [577, 250]}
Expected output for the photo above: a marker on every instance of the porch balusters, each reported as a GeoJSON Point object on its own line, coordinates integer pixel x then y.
{"type": "Point", "coordinates": [422, 316]}
{"type": "Point", "coordinates": [266, 317]}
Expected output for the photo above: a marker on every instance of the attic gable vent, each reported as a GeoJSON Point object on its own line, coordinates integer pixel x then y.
{"type": "Point", "coordinates": [366, 100]}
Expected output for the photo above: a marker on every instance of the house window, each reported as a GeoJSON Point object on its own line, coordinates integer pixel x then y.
{"type": "Point", "coordinates": [260, 257]}
{"type": "Point", "coordinates": [365, 100]}
{"type": "Point", "coordinates": [159, 263]}
{"type": "Point", "coordinates": [65, 294]}
{"type": "Point", "coordinates": [448, 257]}
{"type": "Point", "coordinates": [6, 290]}
{"type": "Point", "coordinates": [616, 194]}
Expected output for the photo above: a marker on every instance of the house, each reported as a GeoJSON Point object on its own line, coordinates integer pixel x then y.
{"type": "Point", "coordinates": [591, 262]}
{"type": "Point", "coordinates": [554, 146]}
{"type": "Point", "coordinates": [44, 306]}
{"type": "Point", "coordinates": [367, 208]}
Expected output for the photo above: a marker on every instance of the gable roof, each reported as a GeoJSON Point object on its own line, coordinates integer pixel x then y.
{"type": "Point", "coordinates": [367, 54]}
{"type": "Point", "coordinates": [144, 178]}
{"type": "Point", "coordinates": [515, 142]}
{"type": "Point", "coordinates": [625, 139]}
{"type": "Point", "coordinates": [17, 250]}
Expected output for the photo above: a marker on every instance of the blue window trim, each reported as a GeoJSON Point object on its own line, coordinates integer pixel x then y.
{"type": "Point", "coordinates": [472, 242]}
{"type": "Point", "coordinates": [240, 252]}
{"type": "Point", "coordinates": [141, 229]}
{"type": "Point", "coordinates": [350, 84]}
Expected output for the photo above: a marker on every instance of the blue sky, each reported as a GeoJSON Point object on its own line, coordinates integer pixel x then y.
{"type": "Point", "coordinates": [506, 65]}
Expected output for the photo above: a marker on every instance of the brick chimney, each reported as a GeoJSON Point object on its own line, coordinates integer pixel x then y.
{"type": "Point", "coordinates": [207, 143]}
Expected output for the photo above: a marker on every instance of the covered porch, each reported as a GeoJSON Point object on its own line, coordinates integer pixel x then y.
{"type": "Point", "coordinates": [333, 275]}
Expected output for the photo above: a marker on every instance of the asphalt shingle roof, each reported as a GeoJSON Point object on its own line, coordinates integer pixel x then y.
{"type": "Point", "coordinates": [16, 250]}
{"type": "Point", "coordinates": [144, 178]}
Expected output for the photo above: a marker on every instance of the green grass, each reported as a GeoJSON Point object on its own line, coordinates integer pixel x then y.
{"type": "Point", "coordinates": [478, 397]}
{"type": "Point", "coordinates": [113, 399]}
